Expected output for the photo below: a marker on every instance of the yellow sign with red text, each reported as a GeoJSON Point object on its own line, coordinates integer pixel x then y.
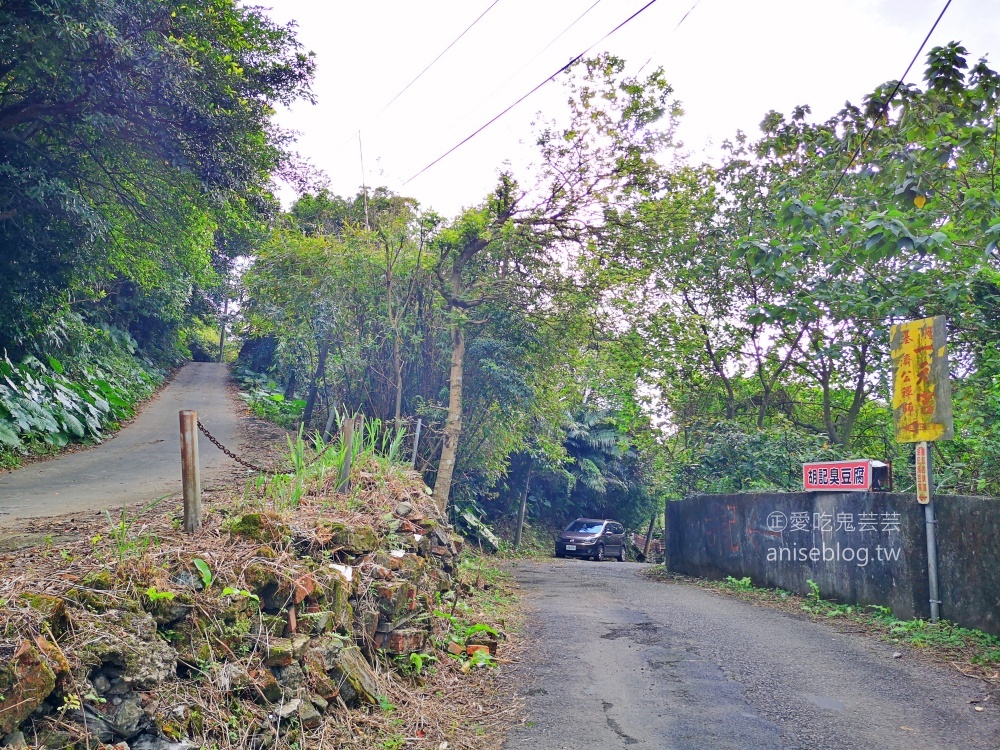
{"type": "Point", "coordinates": [921, 388]}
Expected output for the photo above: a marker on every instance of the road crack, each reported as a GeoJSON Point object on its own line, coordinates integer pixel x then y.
{"type": "Point", "coordinates": [615, 727]}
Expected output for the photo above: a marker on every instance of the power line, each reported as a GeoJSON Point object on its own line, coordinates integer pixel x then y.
{"type": "Point", "coordinates": [683, 19]}
{"type": "Point", "coordinates": [536, 88]}
{"type": "Point", "coordinates": [888, 101]}
{"type": "Point", "coordinates": [542, 50]}
{"type": "Point", "coordinates": [431, 64]}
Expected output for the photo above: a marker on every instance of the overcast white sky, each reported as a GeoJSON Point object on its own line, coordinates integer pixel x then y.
{"type": "Point", "coordinates": [730, 62]}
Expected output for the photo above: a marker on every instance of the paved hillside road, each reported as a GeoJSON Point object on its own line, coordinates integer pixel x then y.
{"type": "Point", "coordinates": [139, 463]}
{"type": "Point", "coordinates": [616, 661]}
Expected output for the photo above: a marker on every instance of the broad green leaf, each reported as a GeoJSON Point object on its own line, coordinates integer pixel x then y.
{"type": "Point", "coordinates": [8, 435]}
{"type": "Point", "coordinates": [73, 425]}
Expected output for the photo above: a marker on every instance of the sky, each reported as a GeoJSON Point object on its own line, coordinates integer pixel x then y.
{"type": "Point", "coordinates": [729, 63]}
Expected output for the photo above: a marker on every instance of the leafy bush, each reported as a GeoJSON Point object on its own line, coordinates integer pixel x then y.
{"type": "Point", "coordinates": [266, 401]}
{"type": "Point", "coordinates": [47, 401]}
{"type": "Point", "coordinates": [727, 457]}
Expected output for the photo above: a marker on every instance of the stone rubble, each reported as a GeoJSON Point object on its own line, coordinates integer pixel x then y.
{"type": "Point", "coordinates": [299, 635]}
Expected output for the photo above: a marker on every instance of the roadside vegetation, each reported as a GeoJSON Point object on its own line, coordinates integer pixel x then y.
{"type": "Point", "coordinates": [307, 612]}
{"type": "Point", "coordinates": [972, 652]}
{"type": "Point", "coordinates": [135, 169]}
{"type": "Point", "coordinates": [612, 328]}
{"type": "Point", "coordinates": [82, 383]}
{"type": "Point", "coordinates": [627, 327]}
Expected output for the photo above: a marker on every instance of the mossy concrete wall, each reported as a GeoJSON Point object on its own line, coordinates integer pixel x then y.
{"type": "Point", "coordinates": [859, 547]}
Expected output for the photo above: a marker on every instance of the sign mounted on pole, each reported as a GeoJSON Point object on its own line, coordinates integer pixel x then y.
{"type": "Point", "coordinates": [923, 473]}
{"type": "Point", "coordinates": [921, 390]}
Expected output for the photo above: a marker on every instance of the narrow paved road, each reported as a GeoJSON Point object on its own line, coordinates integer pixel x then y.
{"type": "Point", "coordinates": [618, 661]}
{"type": "Point", "coordinates": [139, 464]}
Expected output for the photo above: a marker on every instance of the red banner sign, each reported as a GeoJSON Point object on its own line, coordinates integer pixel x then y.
{"type": "Point", "coordinates": [838, 476]}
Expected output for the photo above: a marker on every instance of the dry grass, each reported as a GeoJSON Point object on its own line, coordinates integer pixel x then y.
{"type": "Point", "coordinates": [449, 704]}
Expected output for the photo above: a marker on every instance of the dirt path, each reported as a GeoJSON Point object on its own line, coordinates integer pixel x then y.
{"type": "Point", "coordinates": [139, 464]}
{"type": "Point", "coordinates": [618, 661]}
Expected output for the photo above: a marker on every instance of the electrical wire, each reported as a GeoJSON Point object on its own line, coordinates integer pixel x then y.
{"type": "Point", "coordinates": [683, 19]}
{"type": "Point", "coordinates": [541, 51]}
{"type": "Point", "coordinates": [888, 101]}
{"type": "Point", "coordinates": [440, 55]}
{"type": "Point", "coordinates": [532, 91]}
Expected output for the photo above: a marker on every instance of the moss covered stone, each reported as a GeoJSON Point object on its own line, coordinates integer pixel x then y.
{"type": "Point", "coordinates": [52, 609]}
{"type": "Point", "coordinates": [272, 588]}
{"type": "Point", "coordinates": [133, 646]}
{"type": "Point", "coordinates": [26, 679]}
{"type": "Point", "coordinates": [256, 527]}
{"type": "Point", "coordinates": [98, 579]}
{"type": "Point", "coordinates": [354, 540]}
{"type": "Point", "coordinates": [280, 652]}
{"type": "Point", "coordinates": [357, 681]}
{"type": "Point", "coordinates": [270, 626]}
{"type": "Point", "coordinates": [167, 611]}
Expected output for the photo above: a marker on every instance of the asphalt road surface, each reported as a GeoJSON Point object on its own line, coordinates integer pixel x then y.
{"type": "Point", "coordinates": [617, 661]}
{"type": "Point", "coordinates": [138, 464]}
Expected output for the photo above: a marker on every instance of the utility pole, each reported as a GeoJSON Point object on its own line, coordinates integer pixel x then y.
{"type": "Point", "coordinates": [222, 332]}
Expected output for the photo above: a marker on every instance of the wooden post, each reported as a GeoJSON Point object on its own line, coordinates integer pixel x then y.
{"type": "Point", "coordinates": [329, 423]}
{"type": "Point", "coordinates": [345, 468]}
{"type": "Point", "coordinates": [416, 442]}
{"type": "Point", "coordinates": [190, 478]}
{"type": "Point", "coordinates": [524, 507]}
{"type": "Point", "coordinates": [649, 537]}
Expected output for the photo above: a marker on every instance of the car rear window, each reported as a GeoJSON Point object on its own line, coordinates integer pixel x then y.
{"type": "Point", "coordinates": [585, 527]}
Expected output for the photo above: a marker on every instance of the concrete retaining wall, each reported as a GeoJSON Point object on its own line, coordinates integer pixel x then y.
{"type": "Point", "coordinates": [861, 548]}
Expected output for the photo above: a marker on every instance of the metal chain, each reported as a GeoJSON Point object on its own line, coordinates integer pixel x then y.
{"type": "Point", "coordinates": [254, 467]}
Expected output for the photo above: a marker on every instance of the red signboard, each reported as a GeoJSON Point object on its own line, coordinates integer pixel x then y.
{"type": "Point", "coordinates": [836, 476]}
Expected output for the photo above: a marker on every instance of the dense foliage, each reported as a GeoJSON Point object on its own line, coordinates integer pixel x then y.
{"type": "Point", "coordinates": [135, 156]}
{"type": "Point", "coordinates": [632, 328]}
{"type": "Point", "coordinates": [83, 382]}
{"type": "Point", "coordinates": [772, 312]}
{"type": "Point", "coordinates": [612, 328]}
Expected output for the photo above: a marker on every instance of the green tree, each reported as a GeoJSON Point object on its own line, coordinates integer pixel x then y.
{"type": "Point", "coordinates": [591, 171]}
{"type": "Point", "coordinates": [132, 132]}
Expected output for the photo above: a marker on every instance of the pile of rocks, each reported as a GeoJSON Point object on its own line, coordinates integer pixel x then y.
{"type": "Point", "coordinates": [296, 619]}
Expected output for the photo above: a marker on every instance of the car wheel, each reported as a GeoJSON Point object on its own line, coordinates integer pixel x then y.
{"type": "Point", "coordinates": [599, 553]}
{"type": "Point", "coordinates": [560, 554]}
{"type": "Point", "coordinates": [621, 553]}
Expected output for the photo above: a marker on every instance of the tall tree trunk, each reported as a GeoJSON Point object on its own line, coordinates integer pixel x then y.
{"type": "Point", "coordinates": [324, 349]}
{"type": "Point", "coordinates": [847, 427]}
{"type": "Point", "coordinates": [453, 424]}
{"type": "Point", "coordinates": [222, 331]}
{"type": "Point", "coordinates": [524, 507]}
{"type": "Point", "coordinates": [831, 427]}
{"type": "Point", "coordinates": [397, 362]}
{"type": "Point", "coordinates": [649, 538]}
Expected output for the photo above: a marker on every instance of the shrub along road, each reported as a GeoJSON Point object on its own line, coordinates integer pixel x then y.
{"type": "Point", "coordinates": [619, 661]}
{"type": "Point", "coordinates": [139, 463]}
